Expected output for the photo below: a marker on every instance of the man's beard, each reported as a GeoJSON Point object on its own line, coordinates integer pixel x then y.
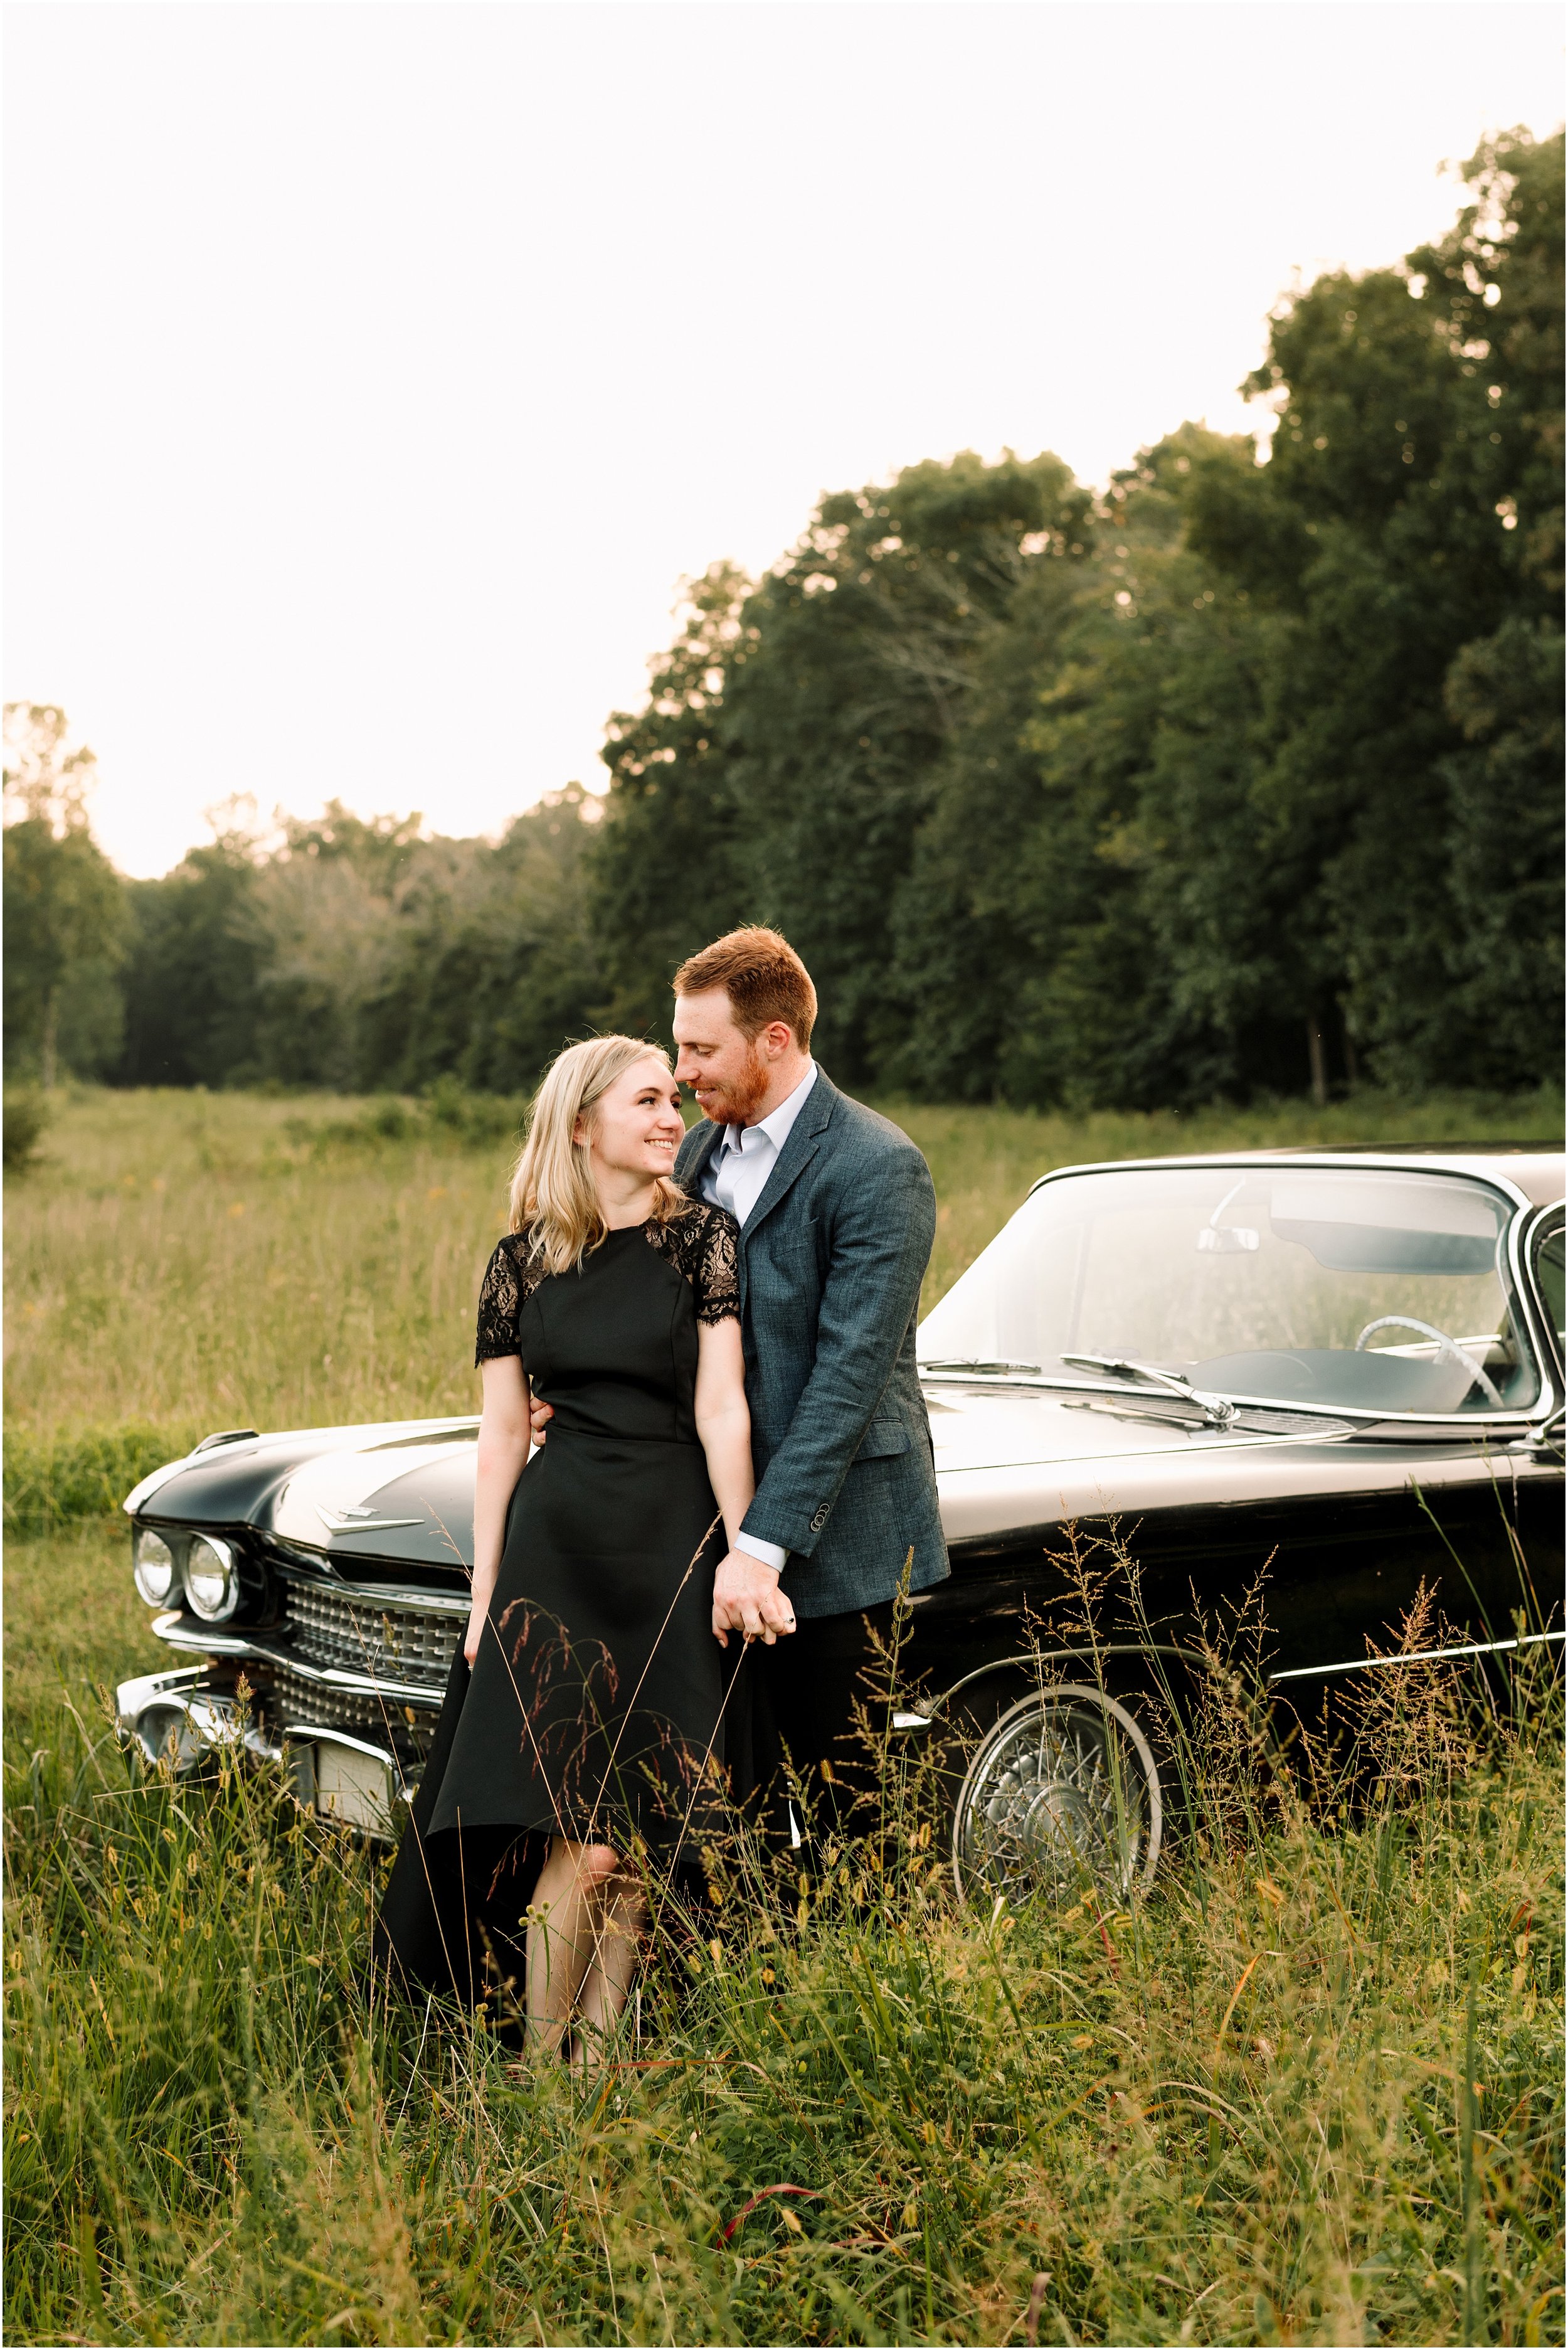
{"type": "Point", "coordinates": [742, 1094]}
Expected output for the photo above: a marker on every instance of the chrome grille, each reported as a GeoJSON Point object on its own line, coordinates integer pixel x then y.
{"type": "Point", "coordinates": [340, 1634]}
{"type": "Point", "coordinates": [291, 1698]}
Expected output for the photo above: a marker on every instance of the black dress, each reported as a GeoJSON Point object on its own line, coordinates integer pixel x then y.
{"type": "Point", "coordinates": [597, 1708]}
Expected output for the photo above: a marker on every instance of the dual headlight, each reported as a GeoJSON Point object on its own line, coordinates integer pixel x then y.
{"type": "Point", "coordinates": [209, 1575]}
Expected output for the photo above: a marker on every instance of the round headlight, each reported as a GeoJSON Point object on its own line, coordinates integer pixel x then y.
{"type": "Point", "coordinates": [212, 1586]}
{"type": "Point", "coordinates": [152, 1567]}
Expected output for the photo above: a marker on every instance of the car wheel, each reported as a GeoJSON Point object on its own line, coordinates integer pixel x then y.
{"type": "Point", "coordinates": [1062, 1794]}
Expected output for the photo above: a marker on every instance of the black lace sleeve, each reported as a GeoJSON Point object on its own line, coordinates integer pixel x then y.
{"type": "Point", "coordinates": [703, 1247]}
{"type": "Point", "coordinates": [499, 1302]}
{"type": "Point", "coordinates": [716, 1273]}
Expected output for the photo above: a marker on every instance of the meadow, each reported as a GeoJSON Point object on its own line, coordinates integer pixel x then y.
{"type": "Point", "coordinates": [1310, 2091]}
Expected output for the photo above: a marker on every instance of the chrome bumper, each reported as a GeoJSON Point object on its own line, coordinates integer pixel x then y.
{"type": "Point", "coordinates": [174, 1717]}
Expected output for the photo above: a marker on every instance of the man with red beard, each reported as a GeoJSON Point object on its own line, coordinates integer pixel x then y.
{"type": "Point", "coordinates": [837, 1214]}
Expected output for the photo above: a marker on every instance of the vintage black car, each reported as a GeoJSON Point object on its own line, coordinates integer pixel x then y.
{"type": "Point", "coordinates": [1346, 1368]}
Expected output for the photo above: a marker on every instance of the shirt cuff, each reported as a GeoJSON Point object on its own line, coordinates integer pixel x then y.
{"type": "Point", "coordinates": [772, 1554]}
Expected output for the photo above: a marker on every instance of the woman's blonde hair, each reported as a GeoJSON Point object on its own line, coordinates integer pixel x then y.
{"type": "Point", "coordinates": [553, 1189]}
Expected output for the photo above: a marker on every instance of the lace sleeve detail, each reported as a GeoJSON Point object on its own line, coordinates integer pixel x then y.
{"type": "Point", "coordinates": [703, 1247]}
{"type": "Point", "coordinates": [716, 1274]}
{"type": "Point", "coordinates": [500, 1303]}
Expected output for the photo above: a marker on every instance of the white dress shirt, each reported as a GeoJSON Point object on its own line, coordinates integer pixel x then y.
{"type": "Point", "coordinates": [734, 1178]}
{"type": "Point", "coordinates": [736, 1172]}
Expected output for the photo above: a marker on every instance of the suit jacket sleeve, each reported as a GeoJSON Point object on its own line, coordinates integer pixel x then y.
{"type": "Point", "coordinates": [883, 1227]}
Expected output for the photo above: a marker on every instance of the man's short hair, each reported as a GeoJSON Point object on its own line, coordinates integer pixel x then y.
{"type": "Point", "coordinates": [764, 978]}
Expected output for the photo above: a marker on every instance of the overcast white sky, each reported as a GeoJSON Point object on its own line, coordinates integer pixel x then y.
{"type": "Point", "coordinates": [373, 373]}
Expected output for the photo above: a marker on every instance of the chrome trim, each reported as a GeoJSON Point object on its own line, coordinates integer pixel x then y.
{"type": "Point", "coordinates": [132, 1698]}
{"type": "Point", "coordinates": [210, 1714]}
{"type": "Point", "coordinates": [1035, 1663]}
{"type": "Point", "coordinates": [1146, 1651]}
{"type": "Point", "coordinates": [1416, 1656]}
{"type": "Point", "coordinates": [170, 1628]}
{"type": "Point", "coordinates": [1523, 1238]}
{"type": "Point", "coordinates": [358, 1522]}
{"type": "Point", "coordinates": [174, 1631]}
{"type": "Point", "coordinates": [337, 1738]}
{"type": "Point", "coordinates": [421, 1601]}
{"type": "Point", "coordinates": [1436, 1162]}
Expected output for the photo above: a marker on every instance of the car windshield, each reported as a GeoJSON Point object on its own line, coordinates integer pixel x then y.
{"type": "Point", "coordinates": [1302, 1286]}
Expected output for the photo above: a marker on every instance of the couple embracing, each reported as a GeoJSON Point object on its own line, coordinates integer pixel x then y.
{"type": "Point", "coordinates": [709, 1341]}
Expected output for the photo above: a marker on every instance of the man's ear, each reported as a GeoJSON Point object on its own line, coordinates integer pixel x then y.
{"type": "Point", "coordinates": [777, 1036]}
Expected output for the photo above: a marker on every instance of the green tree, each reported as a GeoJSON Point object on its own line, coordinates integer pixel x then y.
{"type": "Point", "coordinates": [1412, 509]}
{"type": "Point", "coordinates": [197, 958]}
{"type": "Point", "coordinates": [490, 965]}
{"type": "Point", "coordinates": [65, 910]}
{"type": "Point", "coordinates": [850, 685]}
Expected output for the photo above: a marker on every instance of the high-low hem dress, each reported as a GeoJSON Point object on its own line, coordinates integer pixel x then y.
{"type": "Point", "coordinates": [600, 1708]}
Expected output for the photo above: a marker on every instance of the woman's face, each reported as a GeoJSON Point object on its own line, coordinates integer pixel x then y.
{"type": "Point", "coordinates": [635, 1128]}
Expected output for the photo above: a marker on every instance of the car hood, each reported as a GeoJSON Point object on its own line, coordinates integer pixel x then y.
{"type": "Point", "coordinates": [402, 1490]}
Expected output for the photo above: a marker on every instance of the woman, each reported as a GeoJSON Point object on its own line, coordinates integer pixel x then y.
{"type": "Point", "coordinates": [587, 1703]}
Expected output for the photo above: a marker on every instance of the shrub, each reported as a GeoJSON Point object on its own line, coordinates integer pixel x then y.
{"type": "Point", "coordinates": [27, 1113]}
{"type": "Point", "coordinates": [51, 1481]}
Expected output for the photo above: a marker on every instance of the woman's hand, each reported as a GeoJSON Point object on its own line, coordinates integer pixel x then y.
{"type": "Point", "coordinates": [747, 1600]}
{"type": "Point", "coordinates": [474, 1634]}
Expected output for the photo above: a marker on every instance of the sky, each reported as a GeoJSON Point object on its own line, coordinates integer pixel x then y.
{"type": "Point", "coordinates": [373, 374]}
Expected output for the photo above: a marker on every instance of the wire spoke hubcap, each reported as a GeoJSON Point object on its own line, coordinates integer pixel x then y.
{"type": "Point", "coordinates": [1063, 1792]}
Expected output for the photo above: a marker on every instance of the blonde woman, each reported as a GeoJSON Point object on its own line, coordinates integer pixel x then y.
{"type": "Point", "coordinates": [588, 1704]}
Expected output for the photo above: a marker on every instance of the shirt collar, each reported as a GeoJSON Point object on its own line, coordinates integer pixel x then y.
{"type": "Point", "coordinates": [778, 1122]}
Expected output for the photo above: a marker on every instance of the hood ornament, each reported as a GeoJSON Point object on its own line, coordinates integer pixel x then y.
{"type": "Point", "coordinates": [359, 1522]}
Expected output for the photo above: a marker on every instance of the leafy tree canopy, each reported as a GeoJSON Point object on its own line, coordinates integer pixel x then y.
{"type": "Point", "coordinates": [1244, 775]}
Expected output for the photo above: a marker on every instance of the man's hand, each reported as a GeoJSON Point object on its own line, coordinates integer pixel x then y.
{"type": "Point", "coordinates": [540, 1414]}
{"type": "Point", "coordinates": [747, 1600]}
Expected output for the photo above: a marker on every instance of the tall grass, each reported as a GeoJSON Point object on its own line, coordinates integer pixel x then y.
{"type": "Point", "coordinates": [1311, 2091]}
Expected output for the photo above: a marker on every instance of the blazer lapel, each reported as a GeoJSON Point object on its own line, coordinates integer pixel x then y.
{"type": "Point", "coordinates": [800, 1145]}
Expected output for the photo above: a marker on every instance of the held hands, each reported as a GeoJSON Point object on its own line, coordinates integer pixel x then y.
{"type": "Point", "coordinates": [540, 1414]}
{"type": "Point", "coordinates": [747, 1600]}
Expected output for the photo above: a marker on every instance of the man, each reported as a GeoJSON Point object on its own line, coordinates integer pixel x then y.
{"type": "Point", "coordinates": [837, 1214]}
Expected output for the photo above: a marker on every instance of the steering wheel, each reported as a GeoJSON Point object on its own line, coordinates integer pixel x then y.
{"type": "Point", "coordinates": [1451, 1348]}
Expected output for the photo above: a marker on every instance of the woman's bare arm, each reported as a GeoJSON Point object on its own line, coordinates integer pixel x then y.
{"type": "Point", "coordinates": [724, 1430]}
{"type": "Point", "coordinates": [502, 1457]}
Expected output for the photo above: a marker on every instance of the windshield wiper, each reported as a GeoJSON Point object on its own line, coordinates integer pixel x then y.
{"type": "Point", "coordinates": [973, 1363]}
{"type": "Point", "coordinates": [1218, 1410]}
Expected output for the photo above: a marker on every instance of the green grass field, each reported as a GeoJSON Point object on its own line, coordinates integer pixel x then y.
{"type": "Point", "coordinates": [1311, 2091]}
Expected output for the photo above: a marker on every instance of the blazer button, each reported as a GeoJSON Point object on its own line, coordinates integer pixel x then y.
{"type": "Point", "coordinates": [820, 1519]}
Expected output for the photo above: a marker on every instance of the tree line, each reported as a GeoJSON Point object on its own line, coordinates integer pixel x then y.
{"type": "Point", "coordinates": [1239, 776]}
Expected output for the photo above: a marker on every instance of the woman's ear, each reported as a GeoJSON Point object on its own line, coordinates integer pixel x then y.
{"type": "Point", "coordinates": [580, 1131]}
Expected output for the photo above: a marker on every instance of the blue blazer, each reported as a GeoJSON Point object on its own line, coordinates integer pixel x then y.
{"type": "Point", "coordinates": [832, 1259]}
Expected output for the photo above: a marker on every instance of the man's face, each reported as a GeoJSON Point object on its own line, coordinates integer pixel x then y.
{"type": "Point", "coordinates": [723, 1067]}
